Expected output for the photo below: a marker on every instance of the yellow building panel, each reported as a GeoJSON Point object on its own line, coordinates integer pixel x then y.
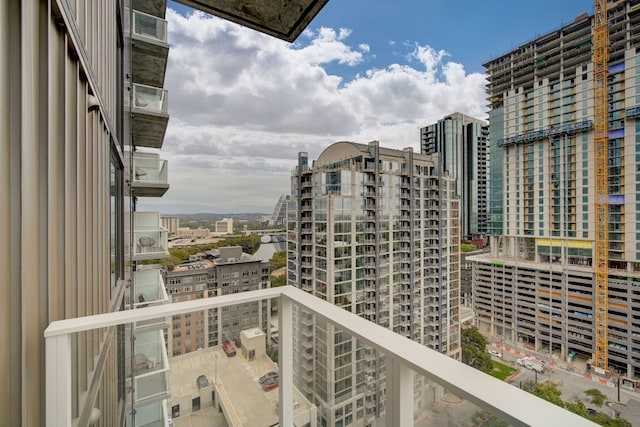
{"type": "Point", "coordinates": [580, 244]}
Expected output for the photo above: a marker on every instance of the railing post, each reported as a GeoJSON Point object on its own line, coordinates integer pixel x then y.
{"type": "Point", "coordinates": [58, 380]}
{"type": "Point", "coordinates": [285, 360]}
{"type": "Point", "coordinates": [399, 394]}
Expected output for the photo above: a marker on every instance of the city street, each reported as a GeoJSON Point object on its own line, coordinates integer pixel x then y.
{"type": "Point", "coordinates": [571, 384]}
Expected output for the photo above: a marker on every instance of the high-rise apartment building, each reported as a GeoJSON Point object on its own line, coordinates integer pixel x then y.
{"type": "Point", "coordinates": [461, 141]}
{"type": "Point", "coordinates": [537, 286]}
{"type": "Point", "coordinates": [82, 115]}
{"type": "Point", "coordinates": [171, 224]}
{"type": "Point", "coordinates": [376, 232]}
{"type": "Point", "coordinates": [230, 272]}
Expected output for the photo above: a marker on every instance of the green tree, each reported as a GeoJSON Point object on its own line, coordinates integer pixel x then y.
{"type": "Point", "coordinates": [474, 349]}
{"type": "Point", "coordinates": [485, 419]}
{"type": "Point", "coordinates": [278, 260]}
{"type": "Point", "coordinates": [549, 392]}
{"type": "Point", "coordinates": [279, 280]}
{"type": "Point", "coordinates": [597, 397]}
{"type": "Point", "coordinates": [528, 385]}
{"type": "Point", "coordinates": [465, 247]}
{"type": "Point", "coordinates": [605, 420]}
{"type": "Point", "coordinates": [577, 407]}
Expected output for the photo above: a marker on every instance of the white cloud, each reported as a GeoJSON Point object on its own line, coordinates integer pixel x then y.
{"type": "Point", "coordinates": [243, 105]}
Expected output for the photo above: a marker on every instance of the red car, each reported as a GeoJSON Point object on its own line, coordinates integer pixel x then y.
{"type": "Point", "coordinates": [229, 349]}
{"type": "Point", "coordinates": [270, 385]}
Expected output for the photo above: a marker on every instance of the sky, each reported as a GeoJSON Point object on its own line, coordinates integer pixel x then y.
{"type": "Point", "coordinates": [243, 104]}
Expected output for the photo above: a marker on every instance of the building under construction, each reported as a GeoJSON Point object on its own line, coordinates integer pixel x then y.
{"type": "Point", "coordinates": [538, 285]}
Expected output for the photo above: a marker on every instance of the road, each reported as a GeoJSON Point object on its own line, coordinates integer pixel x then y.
{"type": "Point", "coordinates": [571, 384]}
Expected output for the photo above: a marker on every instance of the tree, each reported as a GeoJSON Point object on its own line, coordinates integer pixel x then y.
{"type": "Point", "coordinates": [549, 392]}
{"type": "Point", "coordinates": [577, 407]}
{"type": "Point", "coordinates": [474, 349]}
{"type": "Point", "coordinates": [278, 260]}
{"type": "Point", "coordinates": [279, 280]}
{"type": "Point", "coordinates": [597, 397]}
{"type": "Point", "coordinates": [528, 385]}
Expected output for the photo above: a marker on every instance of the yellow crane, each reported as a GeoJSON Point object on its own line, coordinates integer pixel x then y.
{"type": "Point", "coordinates": [600, 70]}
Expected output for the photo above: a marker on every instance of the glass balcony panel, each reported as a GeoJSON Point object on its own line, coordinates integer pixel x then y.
{"type": "Point", "coordinates": [367, 374]}
{"type": "Point", "coordinates": [149, 168]}
{"type": "Point", "coordinates": [150, 366]}
{"type": "Point", "coordinates": [153, 414]}
{"type": "Point", "coordinates": [150, 239]}
{"type": "Point", "coordinates": [150, 99]}
{"type": "Point", "coordinates": [93, 394]}
{"type": "Point", "coordinates": [149, 288]}
{"type": "Point", "coordinates": [149, 27]}
{"type": "Point", "coordinates": [435, 405]}
{"type": "Point", "coordinates": [149, 174]}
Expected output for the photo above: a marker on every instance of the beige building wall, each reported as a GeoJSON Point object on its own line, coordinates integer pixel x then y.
{"type": "Point", "coordinates": [55, 156]}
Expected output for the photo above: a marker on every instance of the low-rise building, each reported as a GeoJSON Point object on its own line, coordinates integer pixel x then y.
{"type": "Point", "coordinates": [223, 389]}
{"type": "Point", "coordinates": [232, 271]}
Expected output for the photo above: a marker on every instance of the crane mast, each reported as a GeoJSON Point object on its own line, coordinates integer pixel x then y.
{"type": "Point", "coordinates": [600, 69]}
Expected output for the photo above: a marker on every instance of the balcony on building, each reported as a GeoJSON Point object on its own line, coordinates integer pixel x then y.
{"type": "Point", "coordinates": [150, 115]}
{"type": "Point", "coordinates": [237, 394]}
{"type": "Point", "coordinates": [150, 47]}
{"type": "Point", "coordinates": [149, 288]}
{"type": "Point", "coordinates": [150, 239]}
{"type": "Point", "coordinates": [149, 175]}
{"type": "Point", "coordinates": [153, 414]}
{"type": "Point", "coordinates": [150, 367]}
{"type": "Point", "coordinates": [151, 7]}
{"type": "Point", "coordinates": [273, 17]}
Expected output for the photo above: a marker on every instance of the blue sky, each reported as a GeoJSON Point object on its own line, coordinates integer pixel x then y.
{"type": "Point", "coordinates": [243, 104]}
{"type": "Point", "coordinates": [472, 32]}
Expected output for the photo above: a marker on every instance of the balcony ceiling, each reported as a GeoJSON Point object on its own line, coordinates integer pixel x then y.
{"type": "Point", "coordinates": [284, 19]}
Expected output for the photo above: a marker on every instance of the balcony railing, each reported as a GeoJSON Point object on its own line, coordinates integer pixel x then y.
{"type": "Point", "coordinates": [150, 367]}
{"type": "Point", "coordinates": [149, 175]}
{"type": "Point", "coordinates": [148, 28]}
{"type": "Point", "coordinates": [149, 99]}
{"type": "Point", "coordinates": [153, 414]}
{"type": "Point", "coordinates": [398, 367]}
{"type": "Point", "coordinates": [149, 288]}
{"type": "Point", "coordinates": [150, 239]}
{"type": "Point", "coordinates": [149, 108]}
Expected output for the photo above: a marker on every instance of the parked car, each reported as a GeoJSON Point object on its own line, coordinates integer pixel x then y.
{"type": "Point", "coordinates": [270, 384]}
{"type": "Point", "coordinates": [229, 349]}
{"type": "Point", "coordinates": [268, 376]}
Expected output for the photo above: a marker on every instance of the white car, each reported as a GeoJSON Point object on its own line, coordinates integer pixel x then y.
{"type": "Point", "coordinates": [495, 353]}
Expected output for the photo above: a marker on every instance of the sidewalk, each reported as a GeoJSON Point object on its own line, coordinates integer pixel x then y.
{"type": "Point", "coordinates": [545, 359]}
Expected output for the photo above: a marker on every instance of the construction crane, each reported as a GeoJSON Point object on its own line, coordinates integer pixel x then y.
{"type": "Point", "coordinates": [600, 70]}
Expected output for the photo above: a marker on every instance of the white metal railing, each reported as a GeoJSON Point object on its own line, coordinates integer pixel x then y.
{"type": "Point", "coordinates": [403, 358]}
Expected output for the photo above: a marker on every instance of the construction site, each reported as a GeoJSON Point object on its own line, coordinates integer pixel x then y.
{"type": "Point", "coordinates": [563, 274]}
